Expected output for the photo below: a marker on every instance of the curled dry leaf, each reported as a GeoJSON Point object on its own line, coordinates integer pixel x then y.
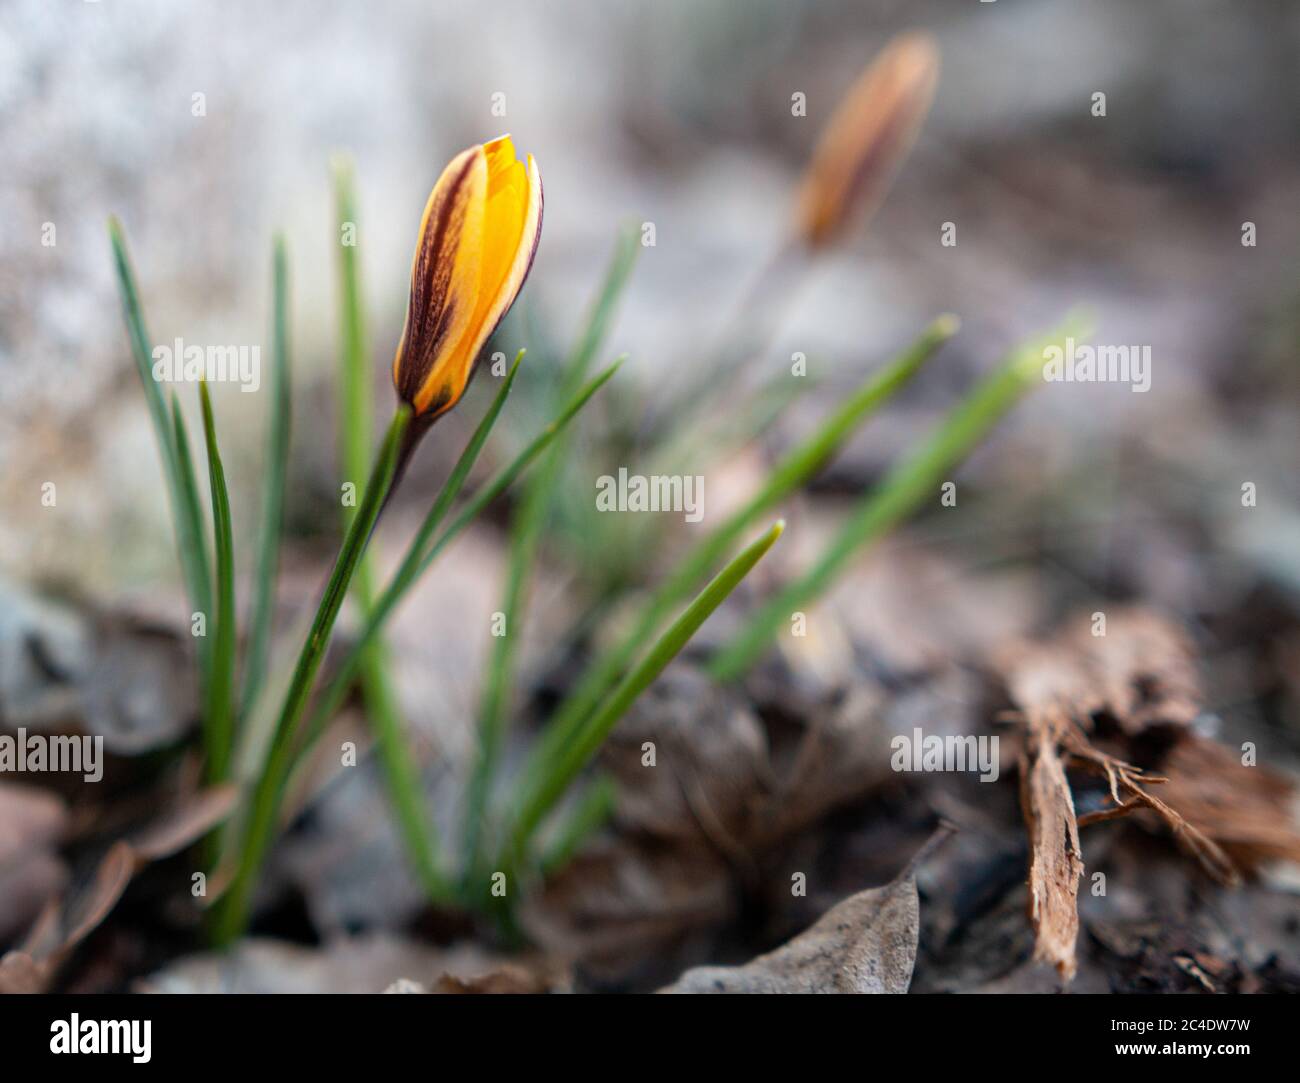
{"type": "Point", "coordinates": [865, 944]}
{"type": "Point", "coordinates": [116, 673]}
{"type": "Point", "coordinates": [170, 834]}
{"type": "Point", "coordinates": [730, 782]}
{"type": "Point", "coordinates": [59, 930]}
{"type": "Point", "coordinates": [1141, 673]}
{"type": "Point", "coordinates": [625, 902]}
{"type": "Point", "coordinates": [62, 927]}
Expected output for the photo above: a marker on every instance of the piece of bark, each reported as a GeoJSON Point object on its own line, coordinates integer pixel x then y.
{"type": "Point", "coordinates": [1055, 856]}
{"type": "Point", "coordinates": [1140, 674]}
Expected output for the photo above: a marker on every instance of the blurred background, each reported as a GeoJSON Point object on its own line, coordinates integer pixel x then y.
{"type": "Point", "coordinates": [676, 113]}
{"type": "Point", "coordinates": [679, 113]}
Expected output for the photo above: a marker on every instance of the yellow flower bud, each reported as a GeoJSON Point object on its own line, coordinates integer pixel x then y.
{"type": "Point", "coordinates": [477, 240]}
{"type": "Point", "coordinates": [867, 139]}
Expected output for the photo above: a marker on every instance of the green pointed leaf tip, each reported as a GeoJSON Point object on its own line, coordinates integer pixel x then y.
{"type": "Point", "coordinates": [903, 489]}
{"type": "Point", "coordinates": [791, 472]}
{"type": "Point", "coordinates": [178, 475]}
{"type": "Point", "coordinates": [545, 780]}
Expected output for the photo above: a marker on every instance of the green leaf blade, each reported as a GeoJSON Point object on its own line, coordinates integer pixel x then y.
{"type": "Point", "coordinates": [232, 912]}
{"type": "Point", "coordinates": [383, 709]}
{"type": "Point", "coordinates": [528, 528]}
{"type": "Point", "coordinates": [218, 720]}
{"type": "Point", "coordinates": [421, 554]}
{"type": "Point", "coordinates": [902, 490]}
{"type": "Point", "coordinates": [276, 469]}
{"type": "Point", "coordinates": [178, 472]}
{"type": "Point", "coordinates": [794, 470]}
{"type": "Point", "coordinates": [545, 781]}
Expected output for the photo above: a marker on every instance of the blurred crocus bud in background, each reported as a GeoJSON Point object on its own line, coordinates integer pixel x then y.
{"type": "Point", "coordinates": [867, 139]}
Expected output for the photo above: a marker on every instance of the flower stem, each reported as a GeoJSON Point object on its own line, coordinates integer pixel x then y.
{"type": "Point", "coordinates": [383, 708]}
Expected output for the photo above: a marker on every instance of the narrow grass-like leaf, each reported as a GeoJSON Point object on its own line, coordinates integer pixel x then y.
{"type": "Point", "coordinates": [189, 495]}
{"type": "Point", "coordinates": [219, 710]}
{"type": "Point", "coordinates": [903, 489]}
{"type": "Point", "coordinates": [601, 315]}
{"type": "Point", "coordinates": [182, 489]}
{"type": "Point", "coordinates": [791, 473]}
{"type": "Point", "coordinates": [383, 709]}
{"type": "Point", "coordinates": [332, 698]}
{"type": "Point", "coordinates": [232, 913]}
{"type": "Point", "coordinates": [421, 554]}
{"type": "Point", "coordinates": [545, 780]}
{"type": "Point", "coordinates": [276, 467]}
{"type": "Point", "coordinates": [401, 773]}
{"type": "Point", "coordinates": [722, 434]}
{"type": "Point", "coordinates": [527, 529]}
{"type": "Point", "coordinates": [587, 816]}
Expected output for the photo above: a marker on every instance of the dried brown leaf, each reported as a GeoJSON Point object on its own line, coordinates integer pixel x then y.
{"type": "Point", "coordinates": [865, 944]}
{"type": "Point", "coordinates": [1141, 673]}
{"type": "Point", "coordinates": [172, 832]}
{"type": "Point", "coordinates": [92, 904]}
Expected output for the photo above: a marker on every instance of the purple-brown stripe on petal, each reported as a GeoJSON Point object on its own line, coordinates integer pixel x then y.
{"type": "Point", "coordinates": [433, 304]}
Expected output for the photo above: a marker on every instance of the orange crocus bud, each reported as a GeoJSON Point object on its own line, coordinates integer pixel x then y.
{"type": "Point", "coordinates": [867, 139]}
{"type": "Point", "coordinates": [476, 246]}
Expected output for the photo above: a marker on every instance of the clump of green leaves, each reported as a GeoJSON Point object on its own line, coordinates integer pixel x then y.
{"type": "Point", "coordinates": [262, 718]}
{"type": "Point", "coordinates": [237, 740]}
